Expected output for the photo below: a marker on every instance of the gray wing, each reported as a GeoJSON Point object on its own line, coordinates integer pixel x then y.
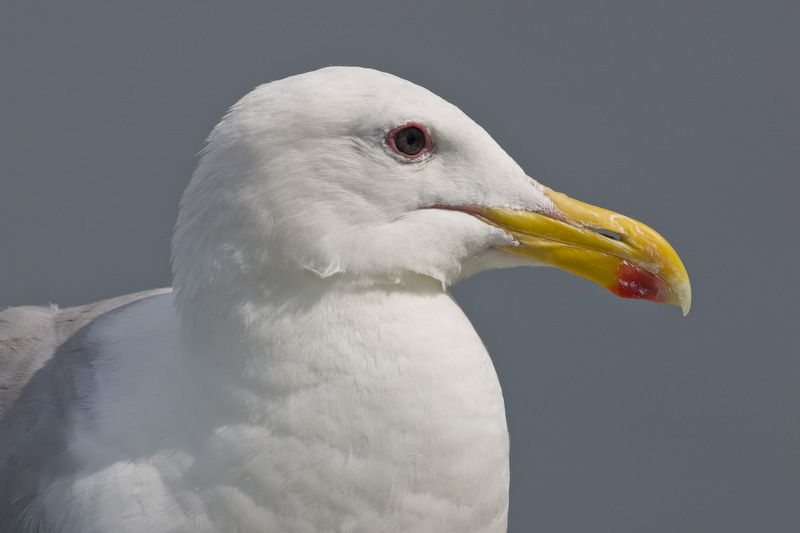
{"type": "Point", "coordinates": [45, 374]}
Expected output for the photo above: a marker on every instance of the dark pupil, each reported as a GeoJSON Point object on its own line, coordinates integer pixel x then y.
{"type": "Point", "coordinates": [410, 140]}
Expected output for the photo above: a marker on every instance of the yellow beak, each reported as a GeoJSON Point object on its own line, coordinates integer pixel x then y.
{"type": "Point", "coordinates": [621, 254]}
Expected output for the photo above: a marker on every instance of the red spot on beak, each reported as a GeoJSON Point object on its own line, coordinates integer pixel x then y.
{"type": "Point", "coordinates": [638, 283]}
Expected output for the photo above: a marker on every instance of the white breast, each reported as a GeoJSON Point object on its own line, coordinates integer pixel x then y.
{"type": "Point", "coordinates": [377, 410]}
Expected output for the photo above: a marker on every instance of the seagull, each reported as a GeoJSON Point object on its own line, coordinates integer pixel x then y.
{"type": "Point", "coordinates": [308, 370]}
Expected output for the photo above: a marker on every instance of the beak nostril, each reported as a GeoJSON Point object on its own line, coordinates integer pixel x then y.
{"type": "Point", "coordinates": [607, 233]}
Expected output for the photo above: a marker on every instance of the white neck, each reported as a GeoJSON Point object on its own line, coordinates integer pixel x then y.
{"type": "Point", "coordinates": [377, 403]}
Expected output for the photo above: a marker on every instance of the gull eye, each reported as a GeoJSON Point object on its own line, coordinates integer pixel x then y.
{"type": "Point", "coordinates": [411, 140]}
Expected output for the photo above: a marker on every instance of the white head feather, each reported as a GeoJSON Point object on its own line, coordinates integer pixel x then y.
{"type": "Point", "coordinates": [298, 178]}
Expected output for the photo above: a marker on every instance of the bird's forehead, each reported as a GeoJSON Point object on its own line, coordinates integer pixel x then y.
{"type": "Point", "coordinates": [349, 98]}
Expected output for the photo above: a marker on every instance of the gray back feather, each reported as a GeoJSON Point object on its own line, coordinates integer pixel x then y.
{"type": "Point", "coordinates": [45, 376]}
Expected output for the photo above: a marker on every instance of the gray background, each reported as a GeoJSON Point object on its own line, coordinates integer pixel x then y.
{"type": "Point", "coordinates": [624, 416]}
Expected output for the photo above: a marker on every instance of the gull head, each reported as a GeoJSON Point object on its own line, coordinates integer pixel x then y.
{"type": "Point", "coordinates": [352, 175]}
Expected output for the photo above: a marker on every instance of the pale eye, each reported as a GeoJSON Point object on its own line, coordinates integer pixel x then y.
{"type": "Point", "coordinates": [410, 140]}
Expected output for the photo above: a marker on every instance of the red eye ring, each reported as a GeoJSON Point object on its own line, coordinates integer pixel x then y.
{"type": "Point", "coordinates": [410, 140]}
